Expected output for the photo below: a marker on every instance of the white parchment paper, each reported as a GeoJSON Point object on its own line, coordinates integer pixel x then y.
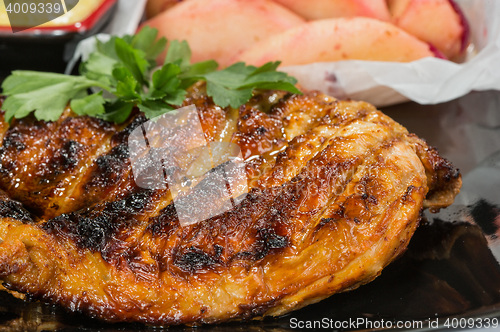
{"type": "Point", "coordinates": [126, 19]}
{"type": "Point", "coordinates": [427, 81]}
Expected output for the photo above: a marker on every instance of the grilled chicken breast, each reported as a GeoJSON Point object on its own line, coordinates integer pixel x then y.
{"type": "Point", "coordinates": [335, 192]}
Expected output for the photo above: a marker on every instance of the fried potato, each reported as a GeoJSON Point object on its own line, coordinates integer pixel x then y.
{"type": "Point", "coordinates": [437, 22]}
{"type": "Point", "coordinates": [338, 39]}
{"type": "Point", "coordinates": [221, 29]}
{"type": "Point", "coordinates": [319, 9]}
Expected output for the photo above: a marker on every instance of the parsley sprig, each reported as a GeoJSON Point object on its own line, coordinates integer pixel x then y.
{"type": "Point", "coordinates": [122, 73]}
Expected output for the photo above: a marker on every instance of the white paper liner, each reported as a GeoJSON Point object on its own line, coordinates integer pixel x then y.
{"type": "Point", "coordinates": [125, 21]}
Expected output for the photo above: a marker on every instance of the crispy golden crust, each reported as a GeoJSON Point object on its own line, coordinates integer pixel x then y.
{"type": "Point", "coordinates": [336, 191]}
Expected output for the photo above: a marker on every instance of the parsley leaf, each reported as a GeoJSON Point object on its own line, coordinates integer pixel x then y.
{"type": "Point", "coordinates": [132, 59]}
{"type": "Point", "coordinates": [165, 81]}
{"type": "Point", "coordinates": [146, 40]}
{"type": "Point", "coordinates": [234, 85]}
{"type": "Point", "coordinates": [154, 108]}
{"type": "Point", "coordinates": [121, 73]}
{"type": "Point", "coordinates": [179, 53]}
{"type": "Point", "coordinates": [117, 112]}
{"type": "Point", "coordinates": [224, 96]}
{"type": "Point", "coordinates": [91, 105]}
{"type": "Point", "coordinates": [47, 94]}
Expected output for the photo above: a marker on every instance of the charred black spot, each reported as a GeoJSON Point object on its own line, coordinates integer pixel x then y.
{"type": "Point", "coordinates": [196, 259]}
{"type": "Point", "coordinates": [68, 154]}
{"type": "Point", "coordinates": [110, 167]}
{"type": "Point", "coordinates": [114, 160]}
{"type": "Point", "coordinates": [130, 205]}
{"type": "Point", "coordinates": [325, 221]}
{"type": "Point", "coordinates": [261, 130]}
{"type": "Point", "coordinates": [3, 164]}
{"type": "Point", "coordinates": [334, 217]}
{"type": "Point", "coordinates": [88, 233]}
{"type": "Point", "coordinates": [451, 174]}
{"type": "Point", "coordinates": [14, 210]}
{"type": "Point", "coordinates": [58, 224]}
{"type": "Point", "coordinates": [218, 250]}
{"type": "Point", "coordinates": [93, 228]}
{"type": "Point", "coordinates": [268, 240]}
{"type": "Point", "coordinates": [164, 221]}
{"type": "Point", "coordinates": [14, 140]}
{"type": "Point", "coordinates": [94, 233]}
{"type": "Point", "coordinates": [65, 159]}
{"type": "Point", "coordinates": [408, 193]}
{"type": "Point", "coordinates": [273, 240]}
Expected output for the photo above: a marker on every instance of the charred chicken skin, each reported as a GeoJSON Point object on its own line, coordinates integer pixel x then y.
{"type": "Point", "coordinates": [336, 190]}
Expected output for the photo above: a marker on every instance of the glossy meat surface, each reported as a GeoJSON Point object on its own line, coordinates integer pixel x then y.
{"type": "Point", "coordinates": [336, 189]}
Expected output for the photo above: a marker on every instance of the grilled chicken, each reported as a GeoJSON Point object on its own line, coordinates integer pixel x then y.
{"type": "Point", "coordinates": [335, 192]}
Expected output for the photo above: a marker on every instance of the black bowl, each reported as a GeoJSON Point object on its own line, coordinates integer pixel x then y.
{"type": "Point", "coordinates": [49, 48]}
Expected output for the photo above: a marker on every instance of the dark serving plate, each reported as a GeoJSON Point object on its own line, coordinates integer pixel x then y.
{"type": "Point", "coordinates": [449, 274]}
{"type": "Point", "coordinates": [49, 48]}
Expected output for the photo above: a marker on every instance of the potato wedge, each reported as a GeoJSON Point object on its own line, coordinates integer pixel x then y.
{"type": "Point", "coordinates": [221, 29]}
{"type": "Point", "coordinates": [338, 39]}
{"type": "Point", "coordinates": [319, 9]}
{"type": "Point", "coordinates": [437, 22]}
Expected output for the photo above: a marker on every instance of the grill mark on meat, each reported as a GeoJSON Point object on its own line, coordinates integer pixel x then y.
{"type": "Point", "coordinates": [357, 207]}
{"type": "Point", "coordinates": [12, 209]}
{"type": "Point", "coordinates": [196, 259]}
{"type": "Point", "coordinates": [262, 240]}
{"type": "Point", "coordinates": [52, 161]}
{"type": "Point", "coordinates": [268, 240]}
{"type": "Point", "coordinates": [96, 229]}
{"type": "Point", "coordinates": [276, 206]}
{"type": "Point", "coordinates": [67, 156]}
{"type": "Point", "coordinates": [165, 222]}
{"type": "Point", "coordinates": [13, 140]}
{"type": "Point", "coordinates": [109, 168]}
{"type": "Point", "coordinates": [64, 159]}
{"type": "Point", "coordinates": [343, 208]}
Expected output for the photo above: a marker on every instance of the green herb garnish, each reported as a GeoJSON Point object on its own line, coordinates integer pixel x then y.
{"type": "Point", "coordinates": [123, 71]}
